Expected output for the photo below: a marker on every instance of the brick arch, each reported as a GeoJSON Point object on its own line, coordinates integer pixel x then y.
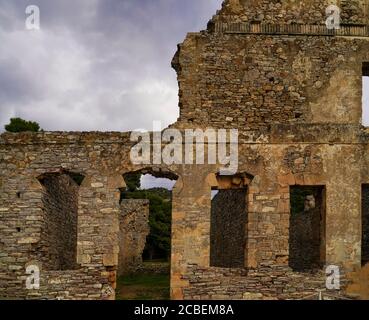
{"type": "Point", "coordinates": [156, 171]}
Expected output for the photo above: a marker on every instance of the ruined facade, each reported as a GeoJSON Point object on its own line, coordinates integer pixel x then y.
{"type": "Point", "coordinates": [293, 89]}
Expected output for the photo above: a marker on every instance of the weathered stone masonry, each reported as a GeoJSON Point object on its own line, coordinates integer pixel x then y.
{"type": "Point", "coordinates": [293, 90]}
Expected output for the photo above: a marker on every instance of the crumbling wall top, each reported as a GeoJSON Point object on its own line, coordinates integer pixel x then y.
{"type": "Point", "coordinates": [65, 138]}
{"type": "Point", "coordinates": [291, 11]}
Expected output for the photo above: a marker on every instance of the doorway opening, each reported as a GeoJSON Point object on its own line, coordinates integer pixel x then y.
{"type": "Point", "coordinates": [145, 235]}
{"type": "Point", "coordinates": [58, 245]}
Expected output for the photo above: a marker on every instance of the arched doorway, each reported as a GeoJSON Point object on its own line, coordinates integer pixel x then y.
{"type": "Point", "coordinates": [145, 235]}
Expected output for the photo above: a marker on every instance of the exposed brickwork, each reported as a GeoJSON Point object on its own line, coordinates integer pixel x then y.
{"type": "Point", "coordinates": [290, 11]}
{"type": "Point", "coordinates": [266, 283]}
{"type": "Point", "coordinates": [269, 79]}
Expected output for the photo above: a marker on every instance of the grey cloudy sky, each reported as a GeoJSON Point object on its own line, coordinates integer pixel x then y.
{"type": "Point", "coordinates": [148, 182]}
{"type": "Point", "coordinates": [95, 64]}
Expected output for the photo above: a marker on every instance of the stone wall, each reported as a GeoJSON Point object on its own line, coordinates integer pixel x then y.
{"type": "Point", "coordinates": [251, 80]}
{"type": "Point", "coordinates": [82, 284]}
{"type": "Point", "coordinates": [284, 157]}
{"type": "Point", "coordinates": [228, 229]}
{"type": "Point", "coordinates": [291, 11]}
{"type": "Point", "coordinates": [134, 228]}
{"type": "Point", "coordinates": [295, 98]}
{"type": "Point", "coordinates": [296, 101]}
{"type": "Point", "coordinates": [155, 268]}
{"type": "Point", "coordinates": [22, 162]}
{"type": "Point", "coordinates": [266, 283]}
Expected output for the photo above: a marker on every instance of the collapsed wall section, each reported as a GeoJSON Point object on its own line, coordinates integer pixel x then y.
{"type": "Point", "coordinates": [291, 11]}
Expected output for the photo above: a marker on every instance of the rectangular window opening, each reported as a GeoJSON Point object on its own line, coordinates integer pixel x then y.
{"type": "Point", "coordinates": [365, 225]}
{"type": "Point", "coordinates": [228, 232]}
{"type": "Point", "coordinates": [365, 97]}
{"type": "Point", "coordinates": [59, 236]}
{"type": "Point", "coordinates": [307, 228]}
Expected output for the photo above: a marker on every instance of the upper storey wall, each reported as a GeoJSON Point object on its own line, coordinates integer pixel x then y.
{"type": "Point", "coordinates": [292, 11]}
{"type": "Point", "coordinates": [254, 78]}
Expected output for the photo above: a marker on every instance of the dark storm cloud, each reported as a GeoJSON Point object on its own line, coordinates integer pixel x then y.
{"type": "Point", "coordinates": [95, 64]}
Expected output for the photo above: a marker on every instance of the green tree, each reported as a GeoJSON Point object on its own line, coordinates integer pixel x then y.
{"type": "Point", "coordinates": [133, 181]}
{"type": "Point", "coordinates": [160, 226]}
{"type": "Point", "coordinates": [20, 125]}
{"type": "Point", "coordinates": [158, 241]}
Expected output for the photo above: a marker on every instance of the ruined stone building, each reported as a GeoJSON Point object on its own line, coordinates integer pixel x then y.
{"type": "Point", "coordinates": [293, 88]}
